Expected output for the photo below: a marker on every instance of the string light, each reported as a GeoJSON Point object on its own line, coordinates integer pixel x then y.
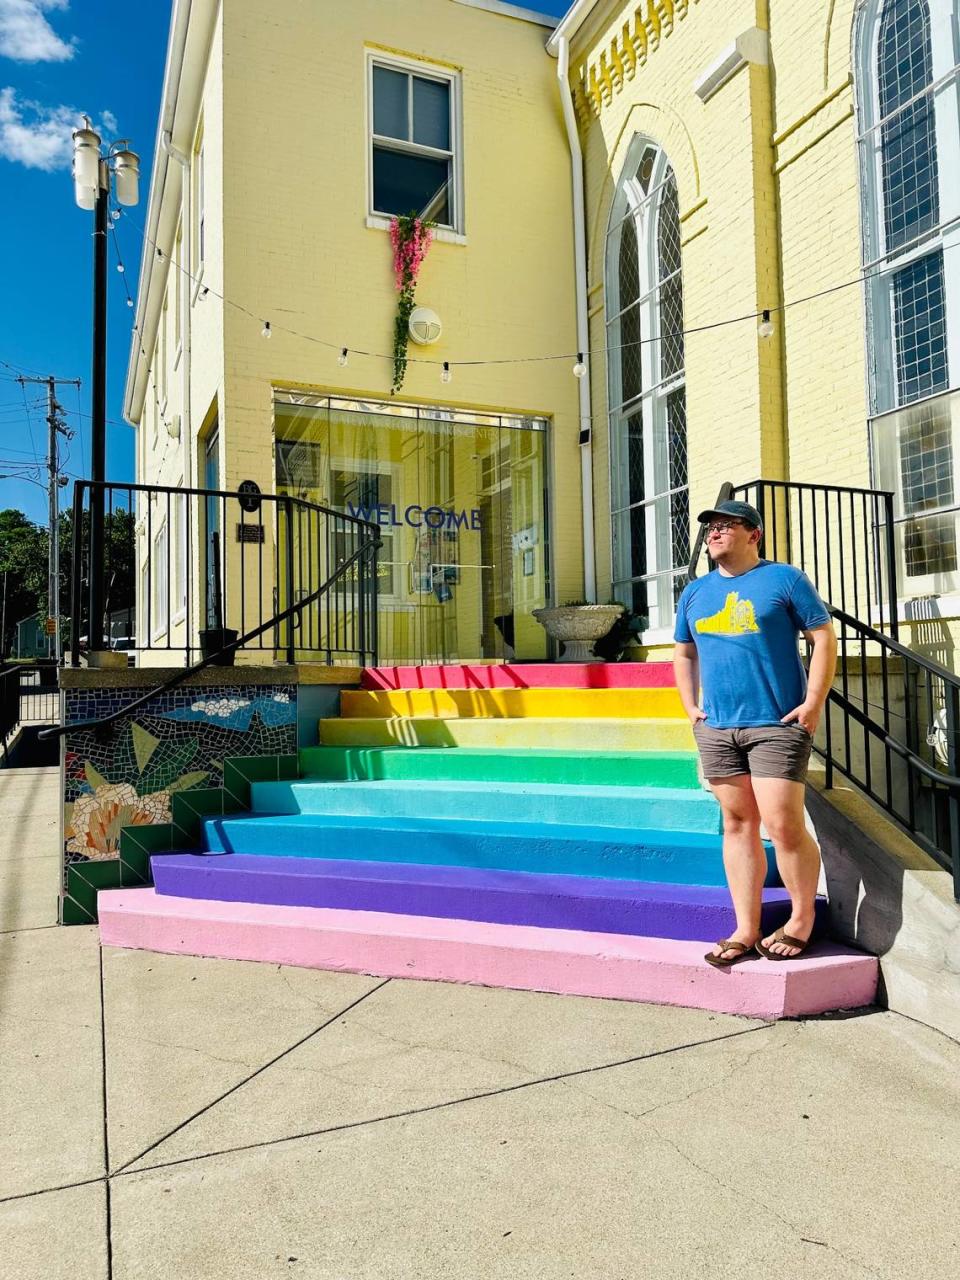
{"type": "Point", "coordinates": [580, 369]}
{"type": "Point", "coordinates": [765, 328]}
{"type": "Point", "coordinates": [120, 267]}
{"type": "Point", "coordinates": [265, 332]}
{"type": "Point", "coordinates": [342, 358]}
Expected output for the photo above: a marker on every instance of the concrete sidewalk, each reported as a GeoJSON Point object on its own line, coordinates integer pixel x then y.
{"type": "Point", "coordinates": [165, 1117]}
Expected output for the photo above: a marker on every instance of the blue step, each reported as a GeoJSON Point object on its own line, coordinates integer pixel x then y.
{"type": "Point", "coordinates": [650, 808]}
{"type": "Point", "coordinates": [678, 857]}
{"type": "Point", "coordinates": [464, 893]}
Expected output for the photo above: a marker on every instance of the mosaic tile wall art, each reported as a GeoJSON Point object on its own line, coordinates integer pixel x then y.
{"type": "Point", "coordinates": [176, 741]}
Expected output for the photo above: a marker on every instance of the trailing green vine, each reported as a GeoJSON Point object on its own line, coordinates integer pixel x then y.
{"type": "Point", "coordinates": [411, 237]}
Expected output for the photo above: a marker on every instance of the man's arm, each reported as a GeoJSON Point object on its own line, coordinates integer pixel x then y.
{"type": "Point", "coordinates": [823, 665]}
{"type": "Point", "coordinates": [686, 671]}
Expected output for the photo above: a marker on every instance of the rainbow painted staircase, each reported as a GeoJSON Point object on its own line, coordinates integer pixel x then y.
{"type": "Point", "coordinates": [538, 827]}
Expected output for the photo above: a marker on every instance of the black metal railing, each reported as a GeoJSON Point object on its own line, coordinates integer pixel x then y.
{"type": "Point", "coordinates": [842, 538]}
{"type": "Point", "coordinates": [28, 695]}
{"type": "Point", "coordinates": [38, 696]}
{"type": "Point", "coordinates": [891, 724]}
{"type": "Point", "coordinates": [189, 571]}
{"type": "Point", "coordinates": [9, 702]}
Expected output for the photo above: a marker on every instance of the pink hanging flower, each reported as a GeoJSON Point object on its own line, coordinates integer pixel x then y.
{"type": "Point", "coordinates": [410, 237]}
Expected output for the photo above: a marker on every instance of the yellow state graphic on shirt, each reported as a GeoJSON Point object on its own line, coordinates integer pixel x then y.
{"type": "Point", "coordinates": [736, 618]}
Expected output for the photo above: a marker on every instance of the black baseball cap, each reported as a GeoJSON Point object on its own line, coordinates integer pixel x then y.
{"type": "Point", "coordinates": [736, 510]}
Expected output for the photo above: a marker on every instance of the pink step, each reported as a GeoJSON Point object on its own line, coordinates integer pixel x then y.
{"type": "Point", "coordinates": [532, 675]}
{"type": "Point", "coordinates": [564, 961]}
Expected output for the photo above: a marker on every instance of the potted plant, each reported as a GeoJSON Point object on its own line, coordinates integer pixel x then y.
{"type": "Point", "coordinates": [624, 633]}
{"type": "Point", "coordinates": [578, 625]}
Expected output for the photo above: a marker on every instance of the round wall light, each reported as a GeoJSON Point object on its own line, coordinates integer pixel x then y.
{"type": "Point", "coordinates": [424, 326]}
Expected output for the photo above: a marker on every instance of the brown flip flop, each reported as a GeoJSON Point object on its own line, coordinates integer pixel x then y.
{"type": "Point", "coordinates": [726, 944]}
{"type": "Point", "coordinates": [780, 936]}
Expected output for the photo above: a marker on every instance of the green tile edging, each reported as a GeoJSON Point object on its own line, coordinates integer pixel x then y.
{"type": "Point", "coordinates": [188, 810]}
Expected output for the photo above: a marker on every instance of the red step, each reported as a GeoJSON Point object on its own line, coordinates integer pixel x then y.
{"type": "Point", "coordinates": [524, 675]}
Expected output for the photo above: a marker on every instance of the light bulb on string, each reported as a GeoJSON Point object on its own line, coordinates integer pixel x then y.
{"type": "Point", "coordinates": [120, 267]}
{"type": "Point", "coordinates": [342, 358]}
{"type": "Point", "coordinates": [580, 369]}
{"type": "Point", "coordinates": [446, 375]}
{"type": "Point", "coordinates": [765, 327]}
{"type": "Point", "coordinates": [266, 331]}
{"type": "Point", "coordinates": [129, 302]}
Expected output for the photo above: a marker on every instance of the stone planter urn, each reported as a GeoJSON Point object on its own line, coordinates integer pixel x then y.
{"type": "Point", "coordinates": [578, 627]}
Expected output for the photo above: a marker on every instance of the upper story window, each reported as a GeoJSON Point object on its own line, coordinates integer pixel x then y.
{"type": "Point", "coordinates": [910, 179]}
{"type": "Point", "coordinates": [649, 491]}
{"type": "Point", "coordinates": [909, 143]}
{"type": "Point", "coordinates": [413, 143]}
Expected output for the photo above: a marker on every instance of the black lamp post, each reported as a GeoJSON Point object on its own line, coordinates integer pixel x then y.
{"type": "Point", "coordinates": [92, 173]}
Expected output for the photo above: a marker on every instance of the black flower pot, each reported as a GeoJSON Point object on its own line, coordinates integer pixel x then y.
{"type": "Point", "coordinates": [213, 639]}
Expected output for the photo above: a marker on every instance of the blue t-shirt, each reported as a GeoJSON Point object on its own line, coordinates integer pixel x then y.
{"type": "Point", "coordinates": [746, 629]}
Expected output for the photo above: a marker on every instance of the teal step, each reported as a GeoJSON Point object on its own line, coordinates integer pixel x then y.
{"type": "Point", "coordinates": [489, 764]}
{"type": "Point", "coordinates": [649, 808]}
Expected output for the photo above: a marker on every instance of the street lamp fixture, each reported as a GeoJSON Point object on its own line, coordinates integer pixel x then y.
{"type": "Point", "coordinates": [93, 171]}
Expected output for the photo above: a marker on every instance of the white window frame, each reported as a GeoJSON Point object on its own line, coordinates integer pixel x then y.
{"type": "Point", "coordinates": [425, 71]}
{"type": "Point", "coordinates": [178, 297]}
{"type": "Point", "coordinates": [165, 351]}
{"type": "Point", "coordinates": [654, 394]}
{"type": "Point", "coordinates": [178, 561]}
{"type": "Point", "coordinates": [198, 230]}
{"type": "Point", "coordinates": [880, 266]}
{"type": "Point", "coordinates": [159, 584]}
{"type": "Point", "coordinates": [383, 467]}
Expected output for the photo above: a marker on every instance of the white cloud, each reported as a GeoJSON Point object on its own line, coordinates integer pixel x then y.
{"type": "Point", "coordinates": [39, 137]}
{"type": "Point", "coordinates": [27, 36]}
{"type": "Point", "coordinates": [109, 122]}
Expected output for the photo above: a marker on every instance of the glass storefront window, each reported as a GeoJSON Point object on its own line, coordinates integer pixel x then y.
{"type": "Point", "coordinates": [460, 500]}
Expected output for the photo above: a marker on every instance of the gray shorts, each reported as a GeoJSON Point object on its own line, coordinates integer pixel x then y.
{"type": "Point", "coordinates": [770, 751]}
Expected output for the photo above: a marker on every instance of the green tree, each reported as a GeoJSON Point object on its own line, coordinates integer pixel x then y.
{"type": "Point", "coordinates": [119, 565]}
{"type": "Point", "coordinates": [23, 559]}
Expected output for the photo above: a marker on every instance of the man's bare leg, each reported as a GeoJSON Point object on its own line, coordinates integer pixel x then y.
{"type": "Point", "coordinates": [743, 858]}
{"type": "Point", "coordinates": [781, 807]}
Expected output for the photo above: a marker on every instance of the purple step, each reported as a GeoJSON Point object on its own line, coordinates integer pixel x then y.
{"type": "Point", "coordinates": [683, 912]}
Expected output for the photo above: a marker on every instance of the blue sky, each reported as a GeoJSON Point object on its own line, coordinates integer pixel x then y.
{"type": "Point", "coordinates": [59, 59]}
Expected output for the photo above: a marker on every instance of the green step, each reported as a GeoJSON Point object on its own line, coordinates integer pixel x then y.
{"type": "Point", "coordinates": [488, 764]}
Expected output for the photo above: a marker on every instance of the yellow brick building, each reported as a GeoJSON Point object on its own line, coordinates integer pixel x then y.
{"type": "Point", "coordinates": [734, 158]}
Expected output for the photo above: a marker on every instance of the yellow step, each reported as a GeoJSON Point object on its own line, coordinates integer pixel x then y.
{"type": "Point", "coordinates": [607, 734]}
{"type": "Point", "coordinates": [513, 704]}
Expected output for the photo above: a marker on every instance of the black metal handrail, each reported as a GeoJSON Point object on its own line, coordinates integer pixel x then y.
{"type": "Point", "coordinates": [841, 537]}
{"type": "Point", "coordinates": [9, 701]}
{"type": "Point", "coordinates": [884, 732]}
{"type": "Point", "coordinates": [212, 659]}
{"type": "Point", "coordinates": [261, 551]}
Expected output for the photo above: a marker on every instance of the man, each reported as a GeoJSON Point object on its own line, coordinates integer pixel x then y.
{"type": "Point", "coordinates": [736, 634]}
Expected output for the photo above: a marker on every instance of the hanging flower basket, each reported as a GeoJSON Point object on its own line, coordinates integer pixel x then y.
{"type": "Point", "coordinates": [411, 238]}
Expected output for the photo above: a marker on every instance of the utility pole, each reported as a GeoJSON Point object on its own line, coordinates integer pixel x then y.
{"type": "Point", "coordinates": [55, 428]}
